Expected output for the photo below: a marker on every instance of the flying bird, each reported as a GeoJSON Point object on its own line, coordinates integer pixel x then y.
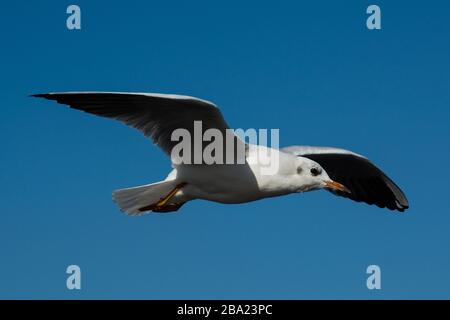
{"type": "Point", "coordinates": [300, 169]}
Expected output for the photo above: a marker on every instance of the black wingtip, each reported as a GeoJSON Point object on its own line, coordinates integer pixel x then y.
{"type": "Point", "coordinates": [403, 208]}
{"type": "Point", "coordinates": [399, 207]}
{"type": "Point", "coordinates": [39, 95]}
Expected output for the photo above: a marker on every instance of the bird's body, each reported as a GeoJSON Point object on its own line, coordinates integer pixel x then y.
{"type": "Point", "coordinates": [296, 169]}
{"type": "Point", "coordinates": [236, 183]}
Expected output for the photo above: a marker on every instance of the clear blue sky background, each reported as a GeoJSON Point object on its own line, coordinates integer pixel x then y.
{"type": "Point", "coordinates": [310, 68]}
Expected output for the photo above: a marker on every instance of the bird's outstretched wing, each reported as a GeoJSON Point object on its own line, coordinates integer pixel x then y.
{"type": "Point", "coordinates": [366, 181]}
{"type": "Point", "coordinates": [156, 115]}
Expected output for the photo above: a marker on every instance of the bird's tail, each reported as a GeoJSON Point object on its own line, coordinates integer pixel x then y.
{"type": "Point", "coordinates": [141, 199]}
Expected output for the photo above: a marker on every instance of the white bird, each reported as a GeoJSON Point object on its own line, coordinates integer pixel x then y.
{"type": "Point", "coordinates": [300, 169]}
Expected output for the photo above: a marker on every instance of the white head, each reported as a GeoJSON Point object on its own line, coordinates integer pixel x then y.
{"type": "Point", "coordinates": [310, 175]}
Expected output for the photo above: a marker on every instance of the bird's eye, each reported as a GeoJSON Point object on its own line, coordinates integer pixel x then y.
{"type": "Point", "coordinates": [299, 170]}
{"type": "Point", "coordinates": [315, 171]}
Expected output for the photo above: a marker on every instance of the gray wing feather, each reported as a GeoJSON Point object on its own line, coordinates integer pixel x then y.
{"type": "Point", "coordinates": [301, 150]}
{"type": "Point", "coordinates": [156, 115]}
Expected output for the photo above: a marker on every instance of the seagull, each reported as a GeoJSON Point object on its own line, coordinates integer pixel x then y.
{"type": "Point", "coordinates": [301, 168]}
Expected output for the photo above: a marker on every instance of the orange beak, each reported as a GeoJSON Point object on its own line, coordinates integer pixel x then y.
{"type": "Point", "coordinates": [333, 185]}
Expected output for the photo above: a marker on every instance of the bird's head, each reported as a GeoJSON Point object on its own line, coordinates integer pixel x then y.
{"type": "Point", "coordinates": [311, 176]}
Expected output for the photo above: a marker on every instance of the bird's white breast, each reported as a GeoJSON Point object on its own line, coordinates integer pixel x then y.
{"type": "Point", "coordinates": [240, 183]}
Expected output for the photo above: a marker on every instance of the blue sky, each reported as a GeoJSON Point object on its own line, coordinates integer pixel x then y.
{"type": "Point", "coordinates": [312, 69]}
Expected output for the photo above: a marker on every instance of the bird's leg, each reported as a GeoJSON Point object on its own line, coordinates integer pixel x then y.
{"type": "Point", "coordinates": [170, 195]}
{"type": "Point", "coordinates": [161, 206]}
{"type": "Point", "coordinates": [168, 207]}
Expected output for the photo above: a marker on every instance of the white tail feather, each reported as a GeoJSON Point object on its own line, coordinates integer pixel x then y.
{"type": "Point", "coordinates": [130, 200]}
